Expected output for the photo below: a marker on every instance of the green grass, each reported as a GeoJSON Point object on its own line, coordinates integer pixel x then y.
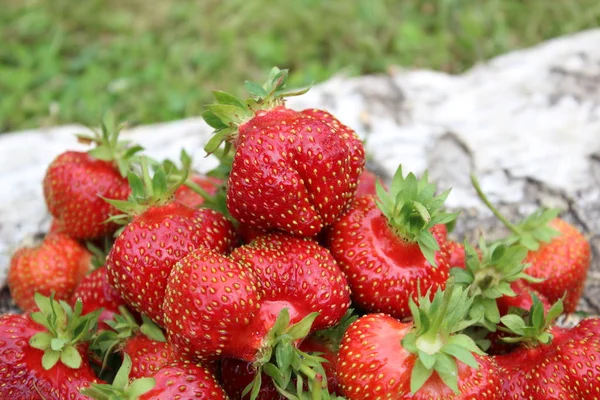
{"type": "Point", "coordinates": [65, 61]}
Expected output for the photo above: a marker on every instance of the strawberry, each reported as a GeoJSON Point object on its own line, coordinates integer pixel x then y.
{"type": "Point", "coordinates": [43, 355]}
{"type": "Point", "coordinates": [160, 233]}
{"type": "Point", "coordinates": [56, 265]}
{"type": "Point", "coordinates": [523, 298]}
{"type": "Point", "coordinates": [552, 362]}
{"type": "Point", "coordinates": [292, 171]}
{"type": "Point", "coordinates": [257, 303]}
{"type": "Point", "coordinates": [95, 293]}
{"type": "Point", "coordinates": [393, 246]}
{"type": "Point", "coordinates": [75, 183]}
{"type": "Point", "coordinates": [381, 357]}
{"type": "Point", "coordinates": [177, 380]}
{"type": "Point", "coordinates": [559, 255]}
{"type": "Point", "coordinates": [457, 254]}
{"type": "Point", "coordinates": [238, 375]}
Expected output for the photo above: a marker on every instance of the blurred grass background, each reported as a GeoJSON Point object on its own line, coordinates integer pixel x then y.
{"type": "Point", "coordinates": [64, 61]}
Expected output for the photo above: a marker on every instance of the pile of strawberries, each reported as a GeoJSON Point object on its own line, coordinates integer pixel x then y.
{"type": "Point", "coordinates": [288, 272]}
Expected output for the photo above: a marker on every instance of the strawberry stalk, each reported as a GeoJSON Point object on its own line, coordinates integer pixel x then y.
{"type": "Point", "coordinates": [412, 209]}
{"type": "Point", "coordinates": [532, 231]}
{"type": "Point", "coordinates": [282, 361]}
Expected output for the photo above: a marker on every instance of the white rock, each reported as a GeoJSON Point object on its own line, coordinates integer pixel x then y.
{"type": "Point", "coordinates": [528, 123]}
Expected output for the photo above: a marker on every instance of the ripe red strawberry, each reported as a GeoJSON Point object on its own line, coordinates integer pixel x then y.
{"type": "Point", "coordinates": [559, 255]}
{"type": "Point", "coordinates": [43, 356]}
{"type": "Point", "coordinates": [457, 254]}
{"type": "Point", "coordinates": [394, 246]}
{"type": "Point", "coordinates": [95, 293]}
{"type": "Point", "coordinates": [381, 357]}
{"type": "Point", "coordinates": [238, 374]}
{"type": "Point", "coordinates": [293, 171]}
{"type": "Point", "coordinates": [523, 297]}
{"type": "Point", "coordinates": [56, 265]}
{"type": "Point", "coordinates": [186, 196]}
{"type": "Point", "coordinates": [161, 233]}
{"type": "Point", "coordinates": [552, 362]}
{"type": "Point", "coordinates": [75, 183]}
{"type": "Point", "coordinates": [177, 380]}
{"type": "Point", "coordinates": [240, 306]}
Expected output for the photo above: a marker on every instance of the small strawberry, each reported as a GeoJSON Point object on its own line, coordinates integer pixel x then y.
{"type": "Point", "coordinates": [187, 196]}
{"type": "Point", "coordinates": [43, 355]}
{"type": "Point", "coordinates": [292, 171]}
{"type": "Point", "coordinates": [381, 357]}
{"type": "Point", "coordinates": [393, 246]}
{"type": "Point", "coordinates": [177, 380]}
{"type": "Point", "coordinates": [558, 253]}
{"type": "Point", "coordinates": [56, 265]}
{"type": "Point", "coordinates": [160, 233]}
{"type": "Point", "coordinates": [367, 184]}
{"type": "Point", "coordinates": [457, 254]}
{"type": "Point", "coordinates": [75, 183]}
{"type": "Point", "coordinates": [552, 362]}
{"type": "Point", "coordinates": [256, 304]}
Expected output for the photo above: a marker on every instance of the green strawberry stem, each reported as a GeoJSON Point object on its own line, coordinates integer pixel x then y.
{"type": "Point", "coordinates": [281, 360]}
{"type": "Point", "coordinates": [412, 209]}
{"type": "Point", "coordinates": [532, 230]}
{"type": "Point", "coordinates": [534, 329]}
{"type": "Point", "coordinates": [437, 339]}
{"type": "Point", "coordinates": [513, 228]}
{"type": "Point", "coordinates": [66, 328]}
{"type": "Point", "coordinates": [121, 388]}
{"type": "Point", "coordinates": [229, 112]}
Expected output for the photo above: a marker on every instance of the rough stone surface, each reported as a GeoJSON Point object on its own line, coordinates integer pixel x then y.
{"type": "Point", "coordinates": [528, 123]}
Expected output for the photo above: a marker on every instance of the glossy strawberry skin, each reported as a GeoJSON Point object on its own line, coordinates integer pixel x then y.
{"type": "Point", "coordinates": [55, 265]}
{"type": "Point", "coordinates": [373, 364]}
{"type": "Point", "coordinates": [143, 255]}
{"type": "Point", "coordinates": [457, 254]}
{"type": "Point", "coordinates": [563, 263]}
{"type": "Point", "coordinates": [147, 356]}
{"type": "Point", "coordinates": [567, 368]}
{"type": "Point", "coordinates": [22, 376]}
{"type": "Point", "coordinates": [243, 294]}
{"type": "Point", "coordinates": [74, 186]}
{"type": "Point", "coordinates": [184, 380]}
{"type": "Point", "coordinates": [292, 171]}
{"type": "Point", "coordinates": [367, 184]}
{"type": "Point", "coordinates": [188, 197]}
{"type": "Point", "coordinates": [382, 269]}
{"type": "Point", "coordinates": [95, 292]}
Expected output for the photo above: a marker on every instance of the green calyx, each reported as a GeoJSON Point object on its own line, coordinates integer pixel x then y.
{"type": "Point", "coordinates": [332, 337]}
{"type": "Point", "coordinates": [530, 232]}
{"type": "Point", "coordinates": [148, 191]}
{"type": "Point", "coordinates": [531, 328]}
{"type": "Point", "coordinates": [65, 329]}
{"type": "Point", "coordinates": [109, 147]}
{"type": "Point", "coordinates": [124, 326]}
{"type": "Point", "coordinates": [412, 209]}
{"type": "Point", "coordinates": [121, 388]}
{"type": "Point", "coordinates": [437, 339]}
{"type": "Point", "coordinates": [229, 112]}
{"type": "Point", "coordinates": [287, 366]}
{"type": "Point", "coordinates": [488, 276]}
{"type": "Point", "coordinates": [99, 253]}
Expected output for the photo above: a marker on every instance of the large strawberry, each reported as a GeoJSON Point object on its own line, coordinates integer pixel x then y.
{"type": "Point", "coordinates": [75, 183]}
{"type": "Point", "coordinates": [552, 362]}
{"type": "Point", "coordinates": [428, 358]}
{"type": "Point", "coordinates": [160, 233]}
{"type": "Point", "coordinates": [177, 380]}
{"type": "Point", "coordinates": [393, 246]}
{"type": "Point", "coordinates": [256, 304]}
{"type": "Point", "coordinates": [558, 253]}
{"type": "Point", "coordinates": [56, 265]}
{"type": "Point", "coordinates": [293, 171]}
{"type": "Point", "coordinates": [43, 355]}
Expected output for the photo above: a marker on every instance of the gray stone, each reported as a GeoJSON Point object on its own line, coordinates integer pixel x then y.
{"type": "Point", "coordinates": [527, 123]}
